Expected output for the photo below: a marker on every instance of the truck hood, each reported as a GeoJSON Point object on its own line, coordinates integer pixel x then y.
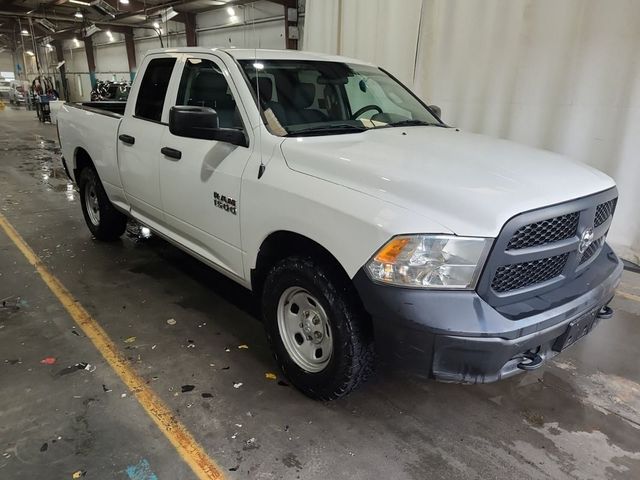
{"type": "Point", "coordinates": [470, 184]}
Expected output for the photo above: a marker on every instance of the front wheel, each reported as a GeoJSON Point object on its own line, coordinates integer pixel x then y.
{"type": "Point", "coordinates": [105, 222]}
{"type": "Point", "coordinates": [318, 331]}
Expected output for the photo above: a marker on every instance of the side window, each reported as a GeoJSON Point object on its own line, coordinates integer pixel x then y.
{"type": "Point", "coordinates": [153, 89]}
{"type": "Point", "coordinates": [203, 84]}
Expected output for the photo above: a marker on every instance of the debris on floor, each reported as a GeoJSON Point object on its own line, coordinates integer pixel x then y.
{"type": "Point", "coordinates": [270, 376]}
{"type": "Point", "coordinates": [171, 321]}
{"type": "Point", "coordinates": [243, 347]}
{"type": "Point", "coordinates": [74, 368]}
{"type": "Point", "coordinates": [207, 395]}
{"type": "Point", "coordinates": [105, 388]}
{"type": "Point", "coordinates": [12, 304]}
{"type": "Point", "coordinates": [48, 361]}
{"type": "Point", "coordinates": [237, 385]}
{"type": "Point", "coordinates": [141, 471]}
{"type": "Point", "coordinates": [78, 474]}
{"type": "Point", "coordinates": [187, 388]}
{"type": "Point", "coordinates": [130, 340]}
{"type": "Point", "coordinates": [44, 447]}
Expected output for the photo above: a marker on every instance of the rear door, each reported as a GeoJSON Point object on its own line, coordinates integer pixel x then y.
{"type": "Point", "coordinates": [141, 129]}
{"type": "Point", "coordinates": [201, 189]}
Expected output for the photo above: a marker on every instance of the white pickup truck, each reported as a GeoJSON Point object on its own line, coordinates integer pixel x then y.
{"type": "Point", "coordinates": [365, 224]}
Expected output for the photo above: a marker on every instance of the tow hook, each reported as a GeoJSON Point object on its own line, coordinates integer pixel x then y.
{"type": "Point", "coordinates": [532, 361]}
{"type": "Point", "coordinates": [605, 312]}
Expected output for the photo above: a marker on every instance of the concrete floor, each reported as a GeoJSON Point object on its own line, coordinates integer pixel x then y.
{"type": "Point", "coordinates": [579, 417]}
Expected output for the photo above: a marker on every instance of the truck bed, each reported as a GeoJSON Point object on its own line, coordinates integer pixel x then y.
{"type": "Point", "coordinates": [104, 108]}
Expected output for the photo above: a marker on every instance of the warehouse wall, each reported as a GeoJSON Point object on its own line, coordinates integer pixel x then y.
{"type": "Point", "coordinates": [563, 76]}
{"type": "Point", "coordinates": [214, 29]}
{"type": "Point", "coordinates": [6, 62]}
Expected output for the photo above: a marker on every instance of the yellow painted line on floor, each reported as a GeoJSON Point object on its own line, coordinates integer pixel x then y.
{"type": "Point", "coordinates": [189, 449]}
{"type": "Point", "coordinates": [628, 296]}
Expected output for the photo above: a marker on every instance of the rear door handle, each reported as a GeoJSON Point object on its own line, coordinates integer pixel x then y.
{"type": "Point", "coordinates": [171, 152]}
{"type": "Point", "coordinates": [128, 139]}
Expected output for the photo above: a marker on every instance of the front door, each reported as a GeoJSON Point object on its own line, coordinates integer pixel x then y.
{"type": "Point", "coordinates": [201, 188]}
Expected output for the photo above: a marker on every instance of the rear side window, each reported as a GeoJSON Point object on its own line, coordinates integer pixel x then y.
{"type": "Point", "coordinates": [153, 89]}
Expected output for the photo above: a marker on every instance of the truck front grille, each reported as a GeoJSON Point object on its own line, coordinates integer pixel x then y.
{"type": "Point", "coordinates": [520, 275]}
{"type": "Point", "coordinates": [538, 250]}
{"type": "Point", "coordinates": [604, 211]}
{"type": "Point", "coordinates": [547, 231]}
{"type": "Point", "coordinates": [591, 250]}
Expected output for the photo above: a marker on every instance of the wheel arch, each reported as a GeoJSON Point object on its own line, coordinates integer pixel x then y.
{"type": "Point", "coordinates": [81, 160]}
{"type": "Point", "coordinates": [281, 244]}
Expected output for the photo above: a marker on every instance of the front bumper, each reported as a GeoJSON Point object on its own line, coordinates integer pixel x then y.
{"type": "Point", "coordinates": [455, 336]}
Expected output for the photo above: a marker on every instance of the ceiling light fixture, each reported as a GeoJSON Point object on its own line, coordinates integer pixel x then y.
{"type": "Point", "coordinates": [156, 25]}
{"type": "Point", "coordinates": [78, 2]}
{"type": "Point", "coordinates": [231, 11]}
{"type": "Point", "coordinates": [75, 40]}
{"type": "Point", "coordinates": [110, 35]}
{"type": "Point", "coordinates": [30, 53]}
{"type": "Point", "coordinates": [25, 33]}
{"type": "Point", "coordinates": [46, 24]}
{"type": "Point", "coordinates": [124, 2]}
{"type": "Point", "coordinates": [78, 14]}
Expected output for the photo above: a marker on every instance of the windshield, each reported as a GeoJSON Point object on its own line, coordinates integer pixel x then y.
{"type": "Point", "coordinates": [315, 97]}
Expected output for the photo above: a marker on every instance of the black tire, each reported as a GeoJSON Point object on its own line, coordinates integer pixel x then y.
{"type": "Point", "coordinates": [110, 224]}
{"type": "Point", "coordinates": [352, 356]}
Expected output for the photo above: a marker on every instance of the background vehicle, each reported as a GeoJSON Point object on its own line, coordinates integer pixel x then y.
{"type": "Point", "coordinates": [17, 92]}
{"type": "Point", "coordinates": [361, 220]}
{"type": "Point", "coordinates": [4, 88]}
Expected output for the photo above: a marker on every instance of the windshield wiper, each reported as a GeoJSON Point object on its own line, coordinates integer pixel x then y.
{"type": "Point", "coordinates": [412, 123]}
{"type": "Point", "coordinates": [328, 130]}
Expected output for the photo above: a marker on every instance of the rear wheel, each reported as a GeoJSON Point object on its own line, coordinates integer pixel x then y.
{"type": "Point", "coordinates": [105, 222]}
{"type": "Point", "coordinates": [318, 331]}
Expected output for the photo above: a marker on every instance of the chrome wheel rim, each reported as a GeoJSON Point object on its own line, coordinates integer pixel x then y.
{"type": "Point", "coordinates": [304, 329]}
{"type": "Point", "coordinates": [91, 202]}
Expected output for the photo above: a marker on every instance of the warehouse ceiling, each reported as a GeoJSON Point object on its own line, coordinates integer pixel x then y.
{"type": "Point", "coordinates": [60, 18]}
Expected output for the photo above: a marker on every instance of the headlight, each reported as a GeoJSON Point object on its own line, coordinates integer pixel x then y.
{"type": "Point", "coordinates": [430, 261]}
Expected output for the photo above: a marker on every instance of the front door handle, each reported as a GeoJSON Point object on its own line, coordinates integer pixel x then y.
{"type": "Point", "coordinates": [171, 152]}
{"type": "Point", "coordinates": [128, 139]}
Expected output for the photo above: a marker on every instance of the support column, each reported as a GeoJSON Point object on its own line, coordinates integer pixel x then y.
{"type": "Point", "coordinates": [131, 52]}
{"type": "Point", "coordinates": [91, 60]}
{"type": "Point", "coordinates": [291, 31]}
{"type": "Point", "coordinates": [190, 29]}
{"type": "Point", "coordinates": [57, 45]}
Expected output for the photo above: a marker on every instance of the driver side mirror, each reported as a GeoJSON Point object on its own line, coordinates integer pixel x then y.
{"type": "Point", "coordinates": [437, 110]}
{"type": "Point", "coordinates": [202, 122]}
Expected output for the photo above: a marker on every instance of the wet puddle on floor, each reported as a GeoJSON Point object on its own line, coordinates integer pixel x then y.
{"type": "Point", "coordinates": [43, 161]}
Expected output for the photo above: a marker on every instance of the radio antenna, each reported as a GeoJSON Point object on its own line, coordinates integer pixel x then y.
{"type": "Point", "coordinates": [262, 167]}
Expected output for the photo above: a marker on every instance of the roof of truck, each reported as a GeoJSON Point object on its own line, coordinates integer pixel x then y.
{"type": "Point", "coordinates": [264, 54]}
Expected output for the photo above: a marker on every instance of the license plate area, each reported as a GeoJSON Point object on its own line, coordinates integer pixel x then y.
{"type": "Point", "coordinates": [576, 329]}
